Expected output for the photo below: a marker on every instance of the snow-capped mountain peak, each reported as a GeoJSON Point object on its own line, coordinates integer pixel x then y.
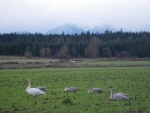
{"type": "Point", "coordinates": [66, 29]}
{"type": "Point", "coordinates": [70, 28]}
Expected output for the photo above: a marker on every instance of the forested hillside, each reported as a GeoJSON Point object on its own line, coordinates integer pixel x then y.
{"type": "Point", "coordinates": [108, 44]}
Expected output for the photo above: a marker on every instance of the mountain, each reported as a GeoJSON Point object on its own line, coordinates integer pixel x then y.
{"type": "Point", "coordinates": [102, 28]}
{"type": "Point", "coordinates": [66, 29]}
{"type": "Point", "coordinates": [78, 29]}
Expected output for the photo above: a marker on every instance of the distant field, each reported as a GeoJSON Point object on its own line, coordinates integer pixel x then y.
{"type": "Point", "coordinates": [4, 59]}
{"type": "Point", "coordinates": [22, 62]}
{"type": "Point", "coordinates": [131, 80]}
{"type": "Point", "coordinates": [117, 63]}
{"type": "Point", "coordinates": [37, 62]}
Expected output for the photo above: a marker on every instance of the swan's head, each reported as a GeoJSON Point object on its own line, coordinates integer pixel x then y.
{"type": "Point", "coordinates": [110, 87]}
{"type": "Point", "coordinates": [27, 79]}
{"type": "Point", "coordinates": [90, 86]}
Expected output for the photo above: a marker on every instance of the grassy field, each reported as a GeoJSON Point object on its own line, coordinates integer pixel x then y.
{"type": "Point", "coordinates": [133, 81]}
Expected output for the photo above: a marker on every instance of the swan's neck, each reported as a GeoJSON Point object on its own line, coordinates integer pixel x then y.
{"type": "Point", "coordinates": [90, 87]}
{"type": "Point", "coordinates": [112, 92]}
{"type": "Point", "coordinates": [29, 85]}
{"type": "Point", "coordinates": [89, 90]}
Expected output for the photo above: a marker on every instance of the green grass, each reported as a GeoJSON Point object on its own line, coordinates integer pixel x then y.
{"type": "Point", "coordinates": [131, 80]}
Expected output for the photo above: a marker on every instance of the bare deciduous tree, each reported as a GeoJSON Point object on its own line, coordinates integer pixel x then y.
{"type": "Point", "coordinates": [93, 49]}
{"type": "Point", "coordinates": [64, 51]}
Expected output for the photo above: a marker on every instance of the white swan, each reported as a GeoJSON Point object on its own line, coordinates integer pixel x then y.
{"type": "Point", "coordinates": [71, 89]}
{"type": "Point", "coordinates": [95, 90]}
{"type": "Point", "coordinates": [35, 91]}
{"type": "Point", "coordinates": [117, 96]}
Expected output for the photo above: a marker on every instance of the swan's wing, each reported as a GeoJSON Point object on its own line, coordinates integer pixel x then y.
{"type": "Point", "coordinates": [120, 97]}
{"type": "Point", "coordinates": [97, 90]}
{"type": "Point", "coordinates": [122, 94]}
{"type": "Point", "coordinates": [42, 88]}
{"type": "Point", "coordinates": [73, 88]}
{"type": "Point", "coordinates": [70, 89]}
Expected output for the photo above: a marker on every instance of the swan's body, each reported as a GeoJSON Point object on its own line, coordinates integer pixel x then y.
{"type": "Point", "coordinates": [35, 91]}
{"type": "Point", "coordinates": [118, 96]}
{"type": "Point", "coordinates": [95, 90]}
{"type": "Point", "coordinates": [71, 89]}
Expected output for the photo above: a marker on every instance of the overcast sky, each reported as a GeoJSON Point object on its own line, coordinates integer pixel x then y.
{"type": "Point", "coordinates": [43, 15]}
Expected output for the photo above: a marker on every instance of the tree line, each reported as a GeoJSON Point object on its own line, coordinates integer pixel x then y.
{"type": "Point", "coordinates": [90, 45]}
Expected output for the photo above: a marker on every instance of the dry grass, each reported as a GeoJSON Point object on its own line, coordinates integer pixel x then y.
{"type": "Point", "coordinates": [37, 62]}
{"type": "Point", "coordinates": [22, 62]}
